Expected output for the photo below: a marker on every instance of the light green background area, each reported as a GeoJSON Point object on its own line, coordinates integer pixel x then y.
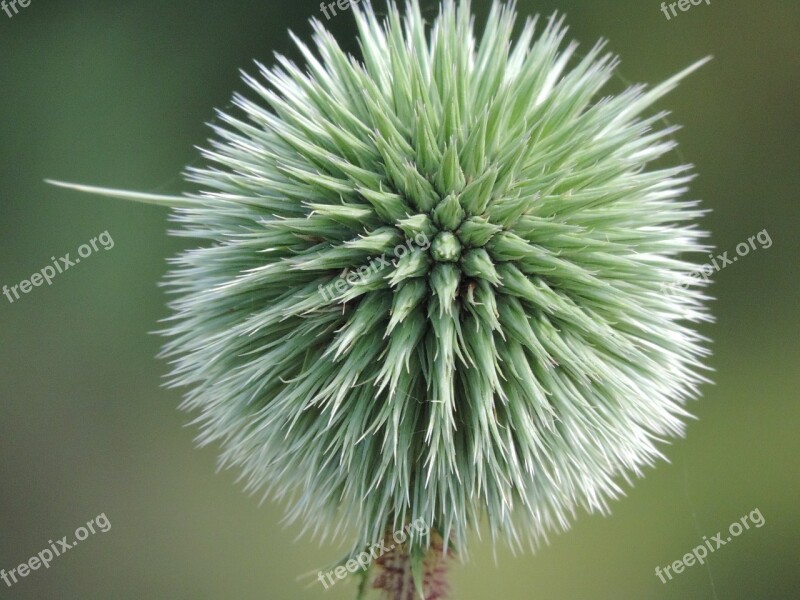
{"type": "Point", "coordinates": [117, 94]}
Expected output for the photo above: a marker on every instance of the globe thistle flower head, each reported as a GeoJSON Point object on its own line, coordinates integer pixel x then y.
{"type": "Point", "coordinates": [432, 285]}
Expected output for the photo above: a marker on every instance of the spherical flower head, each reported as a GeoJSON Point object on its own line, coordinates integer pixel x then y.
{"type": "Point", "coordinates": [439, 282]}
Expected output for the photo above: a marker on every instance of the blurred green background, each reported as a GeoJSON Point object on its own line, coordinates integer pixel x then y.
{"type": "Point", "coordinates": [118, 93]}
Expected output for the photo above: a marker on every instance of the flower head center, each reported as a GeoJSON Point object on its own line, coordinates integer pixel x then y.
{"type": "Point", "coordinates": [446, 247]}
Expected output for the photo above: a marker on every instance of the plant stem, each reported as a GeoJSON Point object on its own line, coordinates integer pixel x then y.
{"type": "Point", "coordinates": [404, 574]}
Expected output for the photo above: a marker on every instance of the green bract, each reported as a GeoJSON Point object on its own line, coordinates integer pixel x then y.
{"type": "Point", "coordinates": [432, 281]}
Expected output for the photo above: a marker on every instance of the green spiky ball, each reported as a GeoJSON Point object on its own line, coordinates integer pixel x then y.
{"type": "Point", "coordinates": [431, 281]}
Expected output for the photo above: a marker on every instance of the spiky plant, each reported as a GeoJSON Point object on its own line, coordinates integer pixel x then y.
{"type": "Point", "coordinates": [514, 361]}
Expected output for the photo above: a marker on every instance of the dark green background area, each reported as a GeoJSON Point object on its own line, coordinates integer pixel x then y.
{"type": "Point", "coordinates": [117, 94]}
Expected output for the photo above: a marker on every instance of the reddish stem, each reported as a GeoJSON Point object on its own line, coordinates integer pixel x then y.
{"type": "Point", "coordinates": [395, 576]}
